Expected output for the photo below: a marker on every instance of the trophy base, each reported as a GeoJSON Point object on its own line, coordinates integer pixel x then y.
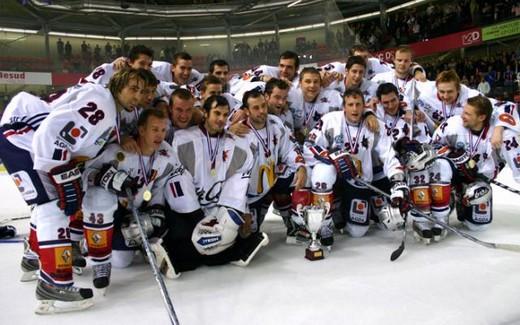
{"type": "Point", "coordinates": [314, 255]}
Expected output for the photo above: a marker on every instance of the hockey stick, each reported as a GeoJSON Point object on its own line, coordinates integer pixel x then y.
{"type": "Point", "coordinates": [4, 221]}
{"type": "Point", "coordinates": [158, 277]}
{"type": "Point", "coordinates": [10, 241]}
{"type": "Point", "coordinates": [395, 254]}
{"type": "Point", "coordinates": [504, 186]}
{"type": "Point", "coordinates": [509, 247]}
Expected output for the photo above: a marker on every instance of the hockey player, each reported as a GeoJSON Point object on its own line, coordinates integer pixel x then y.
{"type": "Point", "coordinates": [443, 98]}
{"type": "Point", "coordinates": [467, 137]}
{"type": "Point", "coordinates": [139, 57]}
{"type": "Point", "coordinates": [220, 69]}
{"type": "Point", "coordinates": [401, 77]}
{"type": "Point", "coordinates": [373, 65]}
{"type": "Point", "coordinates": [79, 125]}
{"type": "Point", "coordinates": [104, 205]}
{"type": "Point", "coordinates": [287, 70]}
{"type": "Point", "coordinates": [395, 127]}
{"type": "Point", "coordinates": [181, 112]}
{"type": "Point", "coordinates": [354, 72]}
{"type": "Point", "coordinates": [311, 103]}
{"type": "Point", "coordinates": [212, 85]}
{"type": "Point", "coordinates": [128, 119]}
{"type": "Point", "coordinates": [276, 94]}
{"type": "Point", "coordinates": [207, 194]}
{"type": "Point", "coordinates": [342, 139]}
{"type": "Point", "coordinates": [272, 147]}
{"type": "Point", "coordinates": [180, 72]}
{"type": "Point", "coordinates": [390, 113]}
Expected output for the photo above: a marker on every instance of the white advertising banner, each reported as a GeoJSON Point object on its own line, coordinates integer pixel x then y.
{"type": "Point", "coordinates": [25, 78]}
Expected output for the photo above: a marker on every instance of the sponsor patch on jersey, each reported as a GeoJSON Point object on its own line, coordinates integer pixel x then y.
{"type": "Point", "coordinates": [481, 213]}
{"type": "Point", "coordinates": [25, 185]}
{"type": "Point", "coordinates": [103, 138]}
{"type": "Point", "coordinates": [70, 133]}
{"type": "Point", "coordinates": [358, 211]}
{"type": "Point", "coordinates": [59, 154]}
{"type": "Point", "coordinates": [63, 257]}
{"type": "Point", "coordinates": [176, 189]}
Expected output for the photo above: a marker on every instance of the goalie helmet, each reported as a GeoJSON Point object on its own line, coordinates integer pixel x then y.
{"type": "Point", "coordinates": [414, 155]}
{"type": "Point", "coordinates": [477, 193]}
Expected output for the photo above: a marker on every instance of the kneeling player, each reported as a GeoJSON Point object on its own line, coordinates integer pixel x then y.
{"type": "Point", "coordinates": [207, 194]}
{"type": "Point", "coordinates": [104, 205]}
{"type": "Point", "coordinates": [346, 134]}
{"type": "Point", "coordinates": [467, 138]}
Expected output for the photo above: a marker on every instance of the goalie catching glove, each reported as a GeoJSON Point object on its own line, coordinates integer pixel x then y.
{"type": "Point", "coordinates": [217, 231]}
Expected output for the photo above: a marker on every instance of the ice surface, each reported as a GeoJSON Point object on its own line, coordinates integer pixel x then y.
{"type": "Point", "coordinates": [452, 282]}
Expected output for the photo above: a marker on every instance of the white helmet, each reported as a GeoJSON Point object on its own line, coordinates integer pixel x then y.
{"type": "Point", "coordinates": [417, 156]}
{"type": "Point", "coordinates": [391, 217]}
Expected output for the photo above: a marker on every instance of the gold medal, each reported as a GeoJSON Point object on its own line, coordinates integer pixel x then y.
{"type": "Point", "coordinates": [147, 195]}
{"type": "Point", "coordinates": [471, 164]}
{"type": "Point", "coordinates": [305, 131]}
{"type": "Point", "coordinates": [213, 172]}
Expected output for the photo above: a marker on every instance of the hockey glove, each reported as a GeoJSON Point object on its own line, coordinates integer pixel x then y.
{"type": "Point", "coordinates": [399, 195]}
{"type": "Point", "coordinates": [466, 166]}
{"type": "Point", "coordinates": [345, 165]}
{"type": "Point", "coordinates": [116, 181]}
{"type": "Point", "coordinates": [67, 181]}
{"type": "Point", "coordinates": [158, 220]}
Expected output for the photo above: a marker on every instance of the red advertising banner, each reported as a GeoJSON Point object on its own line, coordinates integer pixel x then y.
{"type": "Point", "coordinates": [66, 79]}
{"type": "Point", "coordinates": [466, 38]}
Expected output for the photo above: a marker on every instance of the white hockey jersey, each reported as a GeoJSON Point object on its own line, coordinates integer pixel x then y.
{"type": "Point", "coordinates": [407, 87]}
{"type": "Point", "coordinates": [163, 72]}
{"type": "Point", "coordinates": [435, 109]}
{"type": "Point", "coordinates": [208, 171]}
{"type": "Point", "coordinates": [101, 75]}
{"type": "Point", "coordinates": [273, 152]}
{"type": "Point", "coordinates": [306, 115]}
{"type": "Point", "coordinates": [453, 134]}
{"type": "Point", "coordinates": [374, 66]}
{"type": "Point", "coordinates": [166, 88]}
{"type": "Point", "coordinates": [367, 87]}
{"type": "Point", "coordinates": [333, 133]}
{"type": "Point", "coordinates": [22, 117]}
{"type": "Point", "coordinates": [79, 125]}
{"type": "Point", "coordinates": [396, 128]}
{"type": "Point", "coordinates": [152, 171]}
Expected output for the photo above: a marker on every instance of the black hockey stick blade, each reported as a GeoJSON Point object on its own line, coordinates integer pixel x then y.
{"type": "Point", "coordinates": [395, 254]}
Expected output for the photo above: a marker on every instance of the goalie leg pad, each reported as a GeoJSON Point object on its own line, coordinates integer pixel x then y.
{"type": "Point", "coordinates": [99, 207]}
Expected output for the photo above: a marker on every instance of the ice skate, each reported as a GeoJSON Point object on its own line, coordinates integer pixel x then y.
{"type": "Point", "coordinates": [59, 299]}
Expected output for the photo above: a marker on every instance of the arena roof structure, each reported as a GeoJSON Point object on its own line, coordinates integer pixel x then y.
{"type": "Point", "coordinates": [178, 18]}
